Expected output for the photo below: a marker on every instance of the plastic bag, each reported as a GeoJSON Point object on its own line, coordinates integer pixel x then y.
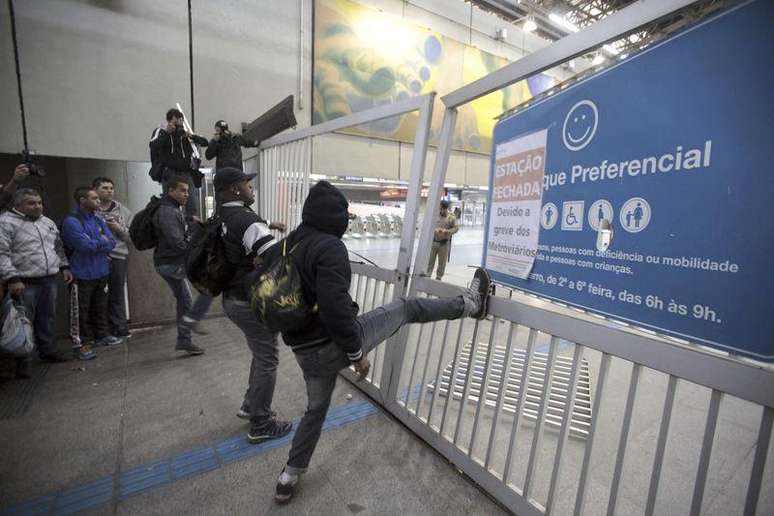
{"type": "Point", "coordinates": [17, 338]}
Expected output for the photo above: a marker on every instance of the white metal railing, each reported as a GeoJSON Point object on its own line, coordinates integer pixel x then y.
{"type": "Point", "coordinates": [632, 368]}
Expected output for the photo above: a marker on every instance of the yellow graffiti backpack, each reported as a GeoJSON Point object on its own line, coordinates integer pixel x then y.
{"type": "Point", "coordinates": [277, 298]}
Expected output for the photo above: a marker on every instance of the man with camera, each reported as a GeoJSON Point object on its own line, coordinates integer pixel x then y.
{"type": "Point", "coordinates": [6, 192]}
{"type": "Point", "coordinates": [172, 153]}
{"type": "Point", "coordinates": [226, 147]}
{"type": "Point", "coordinates": [31, 256]}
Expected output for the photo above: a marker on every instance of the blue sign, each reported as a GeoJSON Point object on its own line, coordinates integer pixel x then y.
{"type": "Point", "coordinates": [674, 148]}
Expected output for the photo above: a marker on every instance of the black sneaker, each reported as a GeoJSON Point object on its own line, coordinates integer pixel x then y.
{"type": "Point", "coordinates": [244, 413]}
{"type": "Point", "coordinates": [477, 295]}
{"type": "Point", "coordinates": [286, 487]}
{"type": "Point", "coordinates": [269, 429]}
{"type": "Point", "coordinates": [191, 349]}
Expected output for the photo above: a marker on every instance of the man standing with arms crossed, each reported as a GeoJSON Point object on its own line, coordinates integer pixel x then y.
{"type": "Point", "coordinates": [117, 217]}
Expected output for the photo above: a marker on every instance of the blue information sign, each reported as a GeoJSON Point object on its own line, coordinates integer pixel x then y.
{"type": "Point", "coordinates": [674, 147]}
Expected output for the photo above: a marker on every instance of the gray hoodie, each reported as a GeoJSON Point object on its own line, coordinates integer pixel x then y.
{"type": "Point", "coordinates": [118, 214]}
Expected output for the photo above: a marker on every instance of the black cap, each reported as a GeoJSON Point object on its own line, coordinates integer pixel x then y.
{"type": "Point", "coordinates": [444, 203]}
{"type": "Point", "coordinates": [222, 124]}
{"type": "Point", "coordinates": [228, 176]}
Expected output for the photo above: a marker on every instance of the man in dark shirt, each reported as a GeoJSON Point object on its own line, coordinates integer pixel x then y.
{"type": "Point", "coordinates": [336, 336]}
{"type": "Point", "coordinates": [247, 237]}
{"type": "Point", "coordinates": [172, 151]}
{"type": "Point", "coordinates": [174, 240]}
{"type": "Point", "coordinates": [226, 147]}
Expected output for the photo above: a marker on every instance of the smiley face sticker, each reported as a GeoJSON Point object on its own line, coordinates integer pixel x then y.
{"type": "Point", "coordinates": [580, 125]}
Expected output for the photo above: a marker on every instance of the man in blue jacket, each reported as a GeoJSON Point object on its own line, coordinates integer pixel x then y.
{"type": "Point", "coordinates": [89, 240]}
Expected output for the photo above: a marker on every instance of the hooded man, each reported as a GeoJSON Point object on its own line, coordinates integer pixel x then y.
{"type": "Point", "coordinates": [335, 337]}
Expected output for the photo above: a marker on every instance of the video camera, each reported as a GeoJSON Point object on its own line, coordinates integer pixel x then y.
{"type": "Point", "coordinates": [35, 170]}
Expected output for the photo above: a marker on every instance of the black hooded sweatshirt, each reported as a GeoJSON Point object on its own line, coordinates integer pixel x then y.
{"type": "Point", "coordinates": [227, 150]}
{"type": "Point", "coordinates": [322, 260]}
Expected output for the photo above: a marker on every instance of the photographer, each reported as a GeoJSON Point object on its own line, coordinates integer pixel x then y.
{"type": "Point", "coordinates": [7, 191]}
{"type": "Point", "coordinates": [226, 147]}
{"type": "Point", "coordinates": [172, 154]}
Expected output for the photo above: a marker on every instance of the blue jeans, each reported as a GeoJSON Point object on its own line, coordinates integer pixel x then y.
{"type": "Point", "coordinates": [39, 299]}
{"type": "Point", "coordinates": [321, 365]}
{"type": "Point", "coordinates": [263, 367]}
{"type": "Point", "coordinates": [174, 275]}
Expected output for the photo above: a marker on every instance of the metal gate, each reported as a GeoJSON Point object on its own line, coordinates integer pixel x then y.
{"type": "Point", "coordinates": [655, 421]}
{"type": "Point", "coordinates": [551, 410]}
{"type": "Point", "coordinates": [285, 167]}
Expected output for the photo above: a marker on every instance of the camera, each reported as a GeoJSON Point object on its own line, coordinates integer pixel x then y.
{"type": "Point", "coordinates": [35, 170]}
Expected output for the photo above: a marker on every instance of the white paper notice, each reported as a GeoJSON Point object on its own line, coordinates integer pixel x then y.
{"type": "Point", "coordinates": [517, 193]}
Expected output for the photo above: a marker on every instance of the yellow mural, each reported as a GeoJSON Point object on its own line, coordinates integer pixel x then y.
{"type": "Point", "coordinates": [365, 58]}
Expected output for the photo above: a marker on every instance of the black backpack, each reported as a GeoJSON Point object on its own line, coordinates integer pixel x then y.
{"type": "Point", "coordinates": [141, 230]}
{"type": "Point", "coordinates": [207, 265]}
{"type": "Point", "coordinates": [277, 298]}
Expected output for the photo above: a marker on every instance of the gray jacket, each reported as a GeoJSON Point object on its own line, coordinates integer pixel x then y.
{"type": "Point", "coordinates": [29, 248]}
{"type": "Point", "coordinates": [118, 214]}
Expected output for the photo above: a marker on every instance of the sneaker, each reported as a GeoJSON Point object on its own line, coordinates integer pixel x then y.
{"type": "Point", "coordinates": [53, 358]}
{"type": "Point", "coordinates": [191, 349]}
{"type": "Point", "coordinates": [84, 353]}
{"type": "Point", "coordinates": [108, 341]}
{"type": "Point", "coordinates": [286, 486]}
{"type": "Point", "coordinates": [477, 295]}
{"type": "Point", "coordinates": [269, 429]}
{"type": "Point", "coordinates": [194, 326]}
{"type": "Point", "coordinates": [244, 413]}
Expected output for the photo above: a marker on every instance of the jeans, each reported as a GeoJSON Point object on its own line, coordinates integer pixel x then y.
{"type": "Point", "coordinates": [92, 309]}
{"type": "Point", "coordinates": [321, 365]}
{"type": "Point", "coordinates": [117, 298]}
{"type": "Point", "coordinates": [440, 250]}
{"type": "Point", "coordinates": [174, 275]}
{"type": "Point", "coordinates": [263, 367]}
{"type": "Point", "coordinates": [39, 299]}
{"type": "Point", "coordinates": [192, 206]}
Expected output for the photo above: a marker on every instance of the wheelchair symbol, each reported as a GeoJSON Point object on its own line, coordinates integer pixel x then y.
{"type": "Point", "coordinates": [571, 219]}
{"type": "Point", "coordinates": [572, 215]}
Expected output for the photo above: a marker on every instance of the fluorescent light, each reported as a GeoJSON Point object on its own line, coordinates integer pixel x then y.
{"type": "Point", "coordinates": [529, 25]}
{"type": "Point", "coordinates": [610, 49]}
{"type": "Point", "coordinates": [563, 22]}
